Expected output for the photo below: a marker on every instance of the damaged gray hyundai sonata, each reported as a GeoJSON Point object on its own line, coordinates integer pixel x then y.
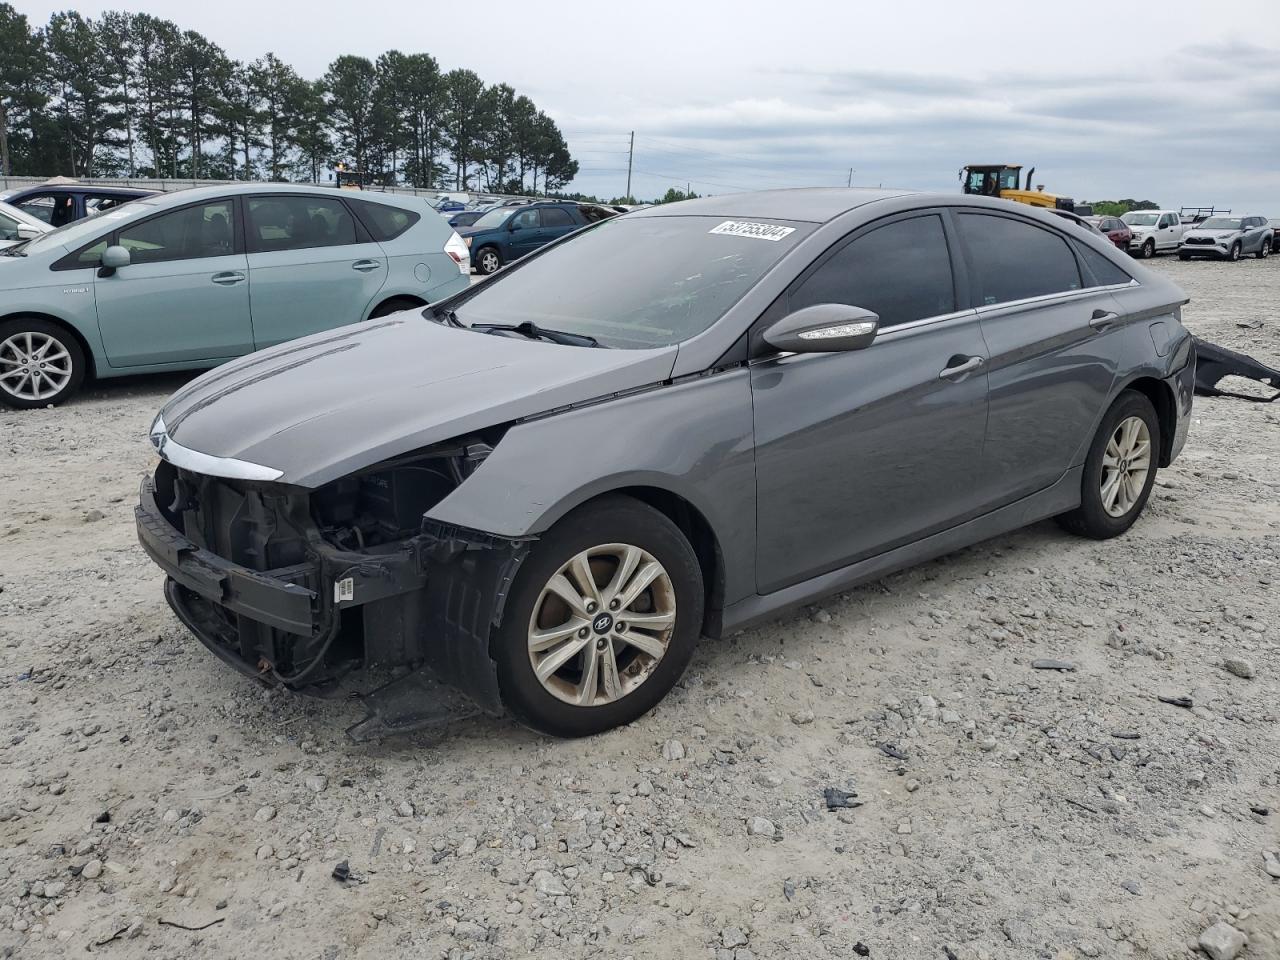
{"type": "Point", "coordinates": [676, 423]}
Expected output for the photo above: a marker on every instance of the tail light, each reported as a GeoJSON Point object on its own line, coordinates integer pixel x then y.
{"type": "Point", "coordinates": [457, 250]}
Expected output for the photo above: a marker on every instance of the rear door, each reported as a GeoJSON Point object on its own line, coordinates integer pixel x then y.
{"type": "Point", "coordinates": [863, 451]}
{"type": "Point", "coordinates": [312, 265]}
{"type": "Point", "coordinates": [185, 294]}
{"type": "Point", "coordinates": [1045, 323]}
{"type": "Point", "coordinates": [556, 222]}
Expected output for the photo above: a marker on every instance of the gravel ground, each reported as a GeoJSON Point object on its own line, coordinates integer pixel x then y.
{"type": "Point", "coordinates": [1008, 812]}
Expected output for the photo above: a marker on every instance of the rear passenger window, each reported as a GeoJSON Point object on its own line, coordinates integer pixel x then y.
{"type": "Point", "coordinates": [1013, 260]}
{"type": "Point", "coordinates": [298, 223]}
{"type": "Point", "coordinates": [556, 217]}
{"type": "Point", "coordinates": [385, 222]}
{"type": "Point", "coordinates": [901, 271]}
{"type": "Point", "coordinates": [1104, 272]}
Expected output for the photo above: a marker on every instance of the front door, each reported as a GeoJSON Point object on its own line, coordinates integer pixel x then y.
{"type": "Point", "coordinates": [312, 266]}
{"type": "Point", "coordinates": [527, 233]}
{"type": "Point", "coordinates": [861, 452]}
{"type": "Point", "coordinates": [1044, 321]}
{"type": "Point", "coordinates": [184, 295]}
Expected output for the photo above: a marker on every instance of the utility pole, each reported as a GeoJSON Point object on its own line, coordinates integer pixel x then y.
{"type": "Point", "coordinates": [850, 183]}
{"type": "Point", "coordinates": [631, 152]}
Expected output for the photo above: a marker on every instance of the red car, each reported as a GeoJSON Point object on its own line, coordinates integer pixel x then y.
{"type": "Point", "coordinates": [1115, 229]}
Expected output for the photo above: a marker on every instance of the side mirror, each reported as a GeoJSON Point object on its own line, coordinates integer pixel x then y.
{"type": "Point", "coordinates": [28, 233]}
{"type": "Point", "coordinates": [113, 258]}
{"type": "Point", "coordinates": [824, 328]}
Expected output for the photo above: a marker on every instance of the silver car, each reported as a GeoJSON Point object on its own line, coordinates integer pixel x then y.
{"type": "Point", "coordinates": [667, 425]}
{"type": "Point", "coordinates": [1228, 238]}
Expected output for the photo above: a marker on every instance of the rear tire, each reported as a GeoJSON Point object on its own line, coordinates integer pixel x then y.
{"type": "Point", "coordinates": [1112, 494]}
{"type": "Point", "coordinates": [1264, 250]}
{"type": "Point", "coordinates": [597, 670]}
{"type": "Point", "coordinates": [1184, 256]}
{"type": "Point", "coordinates": [41, 363]}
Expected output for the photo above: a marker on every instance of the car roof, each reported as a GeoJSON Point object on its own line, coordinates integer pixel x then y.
{"type": "Point", "coordinates": [806, 204]}
{"type": "Point", "coordinates": [80, 188]}
{"type": "Point", "coordinates": [230, 189]}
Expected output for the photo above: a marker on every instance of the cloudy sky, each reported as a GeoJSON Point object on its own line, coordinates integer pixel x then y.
{"type": "Point", "coordinates": [1176, 101]}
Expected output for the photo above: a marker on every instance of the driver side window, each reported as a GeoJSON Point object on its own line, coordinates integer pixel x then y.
{"type": "Point", "coordinates": [525, 220]}
{"type": "Point", "coordinates": [901, 271]}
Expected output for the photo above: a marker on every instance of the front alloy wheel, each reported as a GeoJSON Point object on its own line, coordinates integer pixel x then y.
{"type": "Point", "coordinates": [601, 620]}
{"type": "Point", "coordinates": [488, 261]}
{"type": "Point", "coordinates": [40, 364]}
{"type": "Point", "coordinates": [602, 624]}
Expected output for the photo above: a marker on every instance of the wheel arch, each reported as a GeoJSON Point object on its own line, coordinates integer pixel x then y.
{"type": "Point", "coordinates": [90, 353]}
{"type": "Point", "coordinates": [688, 518]}
{"type": "Point", "coordinates": [408, 299]}
{"type": "Point", "coordinates": [1161, 396]}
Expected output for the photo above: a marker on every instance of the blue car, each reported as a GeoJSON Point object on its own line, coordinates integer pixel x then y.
{"type": "Point", "coordinates": [189, 279]}
{"type": "Point", "coordinates": [504, 234]}
{"type": "Point", "coordinates": [58, 204]}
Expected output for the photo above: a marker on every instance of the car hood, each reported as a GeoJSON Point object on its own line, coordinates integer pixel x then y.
{"type": "Point", "coordinates": [1213, 234]}
{"type": "Point", "coordinates": [323, 406]}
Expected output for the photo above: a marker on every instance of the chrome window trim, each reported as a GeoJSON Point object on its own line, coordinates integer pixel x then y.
{"type": "Point", "coordinates": [1046, 298]}
{"type": "Point", "coordinates": [197, 462]}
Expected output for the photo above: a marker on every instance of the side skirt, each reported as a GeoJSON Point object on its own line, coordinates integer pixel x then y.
{"type": "Point", "coordinates": [1064, 495]}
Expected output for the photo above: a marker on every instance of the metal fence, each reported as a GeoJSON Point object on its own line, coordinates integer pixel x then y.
{"type": "Point", "coordinates": [166, 185]}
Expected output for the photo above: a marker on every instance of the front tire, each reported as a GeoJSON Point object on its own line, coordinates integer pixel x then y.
{"type": "Point", "coordinates": [1235, 252]}
{"type": "Point", "coordinates": [1184, 256]}
{"type": "Point", "coordinates": [1119, 470]}
{"type": "Point", "coordinates": [1148, 250]}
{"type": "Point", "coordinates": [41, 363]}
{"type": "Point", "coordinates": [488, 260]}
{"type": "Point", "coordinates": [602, 620]}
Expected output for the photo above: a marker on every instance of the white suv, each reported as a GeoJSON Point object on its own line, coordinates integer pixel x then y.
{"type": "Point", "coordinates": [1154, 231]}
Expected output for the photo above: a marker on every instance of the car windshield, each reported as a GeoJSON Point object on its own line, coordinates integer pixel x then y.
{"type": "Point", "coordinates": [1140, 219]}
{"type": "Point", "coordinates": [636, 282]}
{"type": "Point", "coordinates": [494, 218]}
{"type": "Point", "coordinates": [1222, 223]}
{"type": "Point", "coordinates": [74, 234]}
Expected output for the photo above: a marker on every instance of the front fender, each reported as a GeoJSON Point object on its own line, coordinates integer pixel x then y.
{"type": "Point", "coordinates": [693, 439]}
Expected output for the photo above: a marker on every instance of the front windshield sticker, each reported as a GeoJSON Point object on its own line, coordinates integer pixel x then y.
{"type": "Point", "coordinates": [758, 231]}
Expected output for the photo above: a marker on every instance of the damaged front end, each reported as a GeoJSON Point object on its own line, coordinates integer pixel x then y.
{"type": "Point", "coordinates": [302, 587]}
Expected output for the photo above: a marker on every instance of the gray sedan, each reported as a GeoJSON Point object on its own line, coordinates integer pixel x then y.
{"type": "Point", "coordinates": [673, 424]}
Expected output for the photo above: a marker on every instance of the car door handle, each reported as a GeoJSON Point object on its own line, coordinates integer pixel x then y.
{"type": "Point", "coordinates": [1102, 319]}
{"type": "Point", "coordinates": [228, 279]}
{"type": "Point", "coordinates": [959, 366]}
{"type": "Point", "coordinates": [364, 266]}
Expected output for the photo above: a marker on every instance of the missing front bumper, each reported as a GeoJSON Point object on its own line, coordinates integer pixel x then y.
{"type": "Point", "coordinates": [429, 601]}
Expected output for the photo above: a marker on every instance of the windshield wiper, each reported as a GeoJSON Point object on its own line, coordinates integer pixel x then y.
{"type": "Point", "coordinates": [534, 332]}
{"type": "Point", "coordinates": [449, 316]}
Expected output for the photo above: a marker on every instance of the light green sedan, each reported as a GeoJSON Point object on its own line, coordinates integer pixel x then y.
{"type": "Point", "coordinates": [187, 280]}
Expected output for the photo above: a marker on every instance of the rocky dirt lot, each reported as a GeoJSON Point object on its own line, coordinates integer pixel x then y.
{"type": "Point", "coordinates": [154, 803]}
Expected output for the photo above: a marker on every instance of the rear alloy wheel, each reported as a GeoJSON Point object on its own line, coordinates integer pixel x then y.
{"type": "Point", "coordinates": [1119, 470]}
{"type": "Point", "coordinates": [1264, 250]}
{"type": "Point", "coordinates": [602, 621]}
{"type": "Point", "coordinates": [488, 261]}
{"type": "Point", "coordinates": [1148, 250]}
{"type": "Point", "coordinates": [1235, 251]}
{"type": "Point", "coordinates": [40, 364]}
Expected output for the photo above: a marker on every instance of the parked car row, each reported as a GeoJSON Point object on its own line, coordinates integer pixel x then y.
{"type": "Point", "coordinates": [190, 279]}
{"type": "Point", "coordinates": [1221, 237]}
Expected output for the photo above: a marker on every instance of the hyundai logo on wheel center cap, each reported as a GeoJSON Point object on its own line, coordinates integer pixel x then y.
{"type": "Point", "coordinates": [602, 623]}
